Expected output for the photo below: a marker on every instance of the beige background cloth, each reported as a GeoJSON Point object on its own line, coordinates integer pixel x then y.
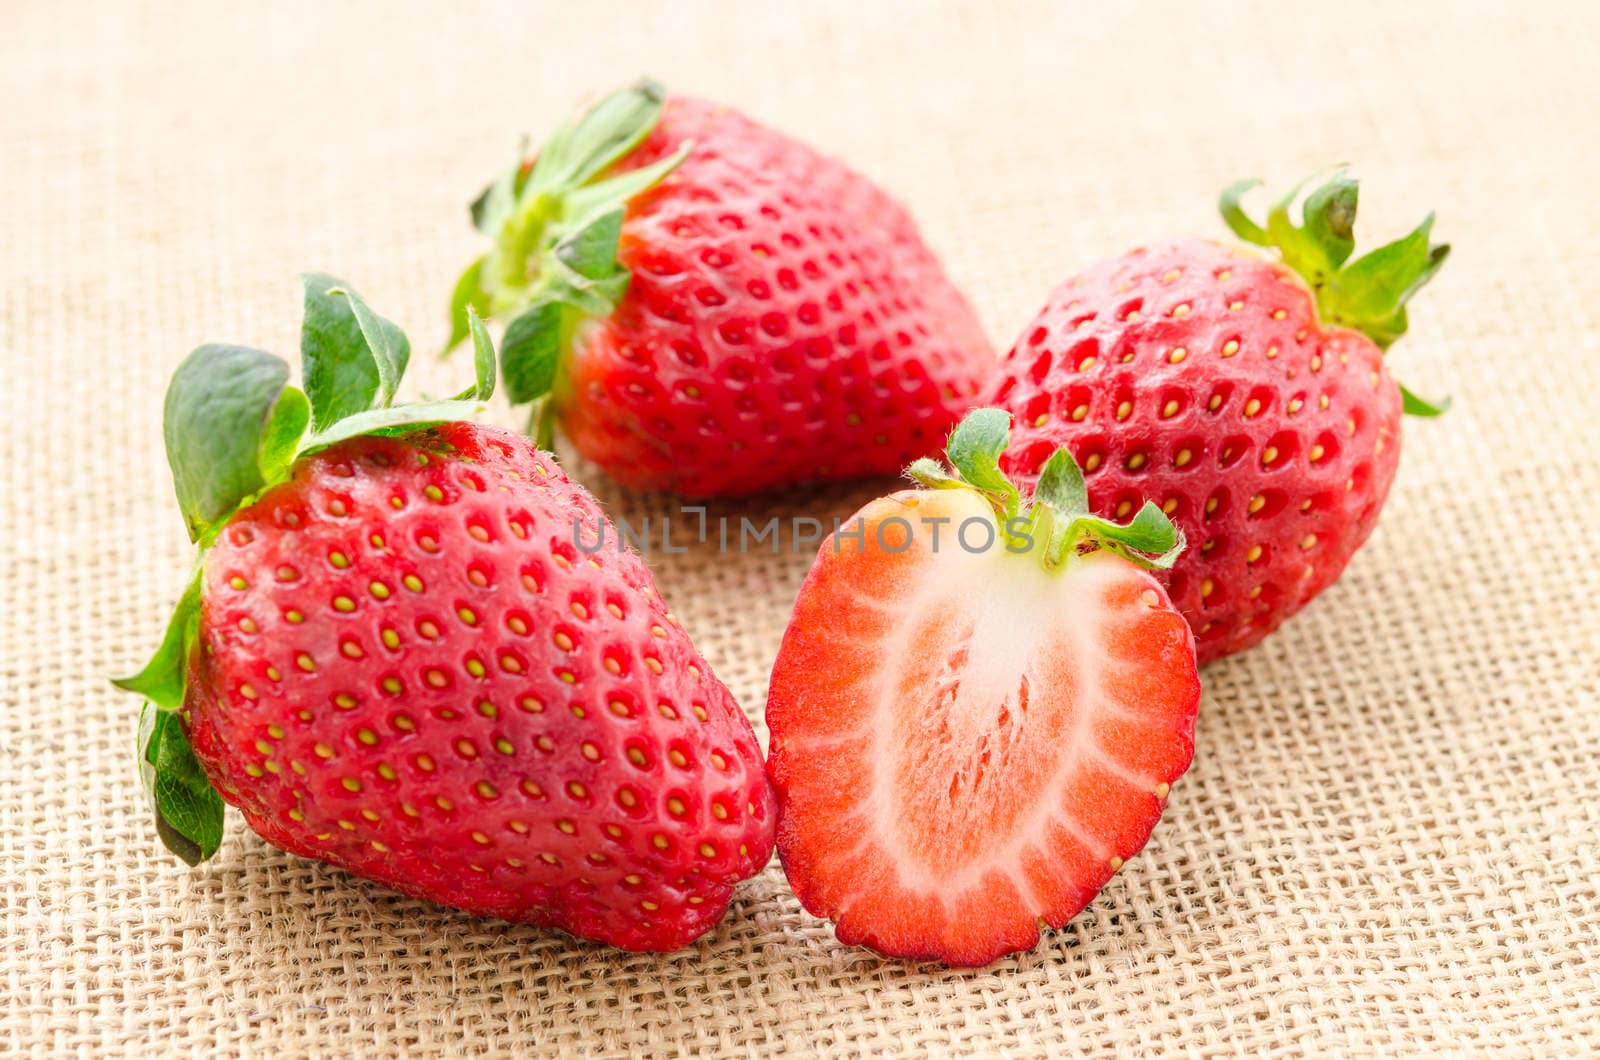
{"type": "Point", "coordinates": [1388, 838]}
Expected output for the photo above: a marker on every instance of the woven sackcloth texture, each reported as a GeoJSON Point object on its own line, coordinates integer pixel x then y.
{"type": "Point", "coordinates": [1387, 842]}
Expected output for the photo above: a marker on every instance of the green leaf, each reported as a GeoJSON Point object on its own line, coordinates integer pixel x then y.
{"type": "Point", "coordinates": [386, 344]}
{"type": "Point", "coordinates": [591, 251]}
{"type": "Point", "coordinates": [187, 808]}
{"type": "Point", "coordinates": [588, 275]}
{"type": "Point", "coordinates": [1412, 405]}
{"type": "Point", "coordinates": [494, 204]}
{"type": "Point", "coordinates": [1375, 285]}
{"type": "Point", "coordinates": [556, 229]}
{"type": "Point", "coordinates": [1330, 217]}
{"type": "Point", "coordinates": [338, 370]}
{"type": "Point", "coordinates": [469, 295]}
{"type": "Point", "coordinates": [600, 136]}
{"type": "Point", "coordinates": [930, 473]}
{"type": "Point", "coordinates": [1383, 331]}
{"type": "Point", "coordinates": [351, 359]}
{"type": "Point", "coordinates": [1151, 531]}
{"type": "Point", "coordinates": [976, 443]}
{"type": "Point", "coordinates": [478, 209]}
{"type": "Point", "coordinates": [398, 419]}
{"type": "Point", "coordinates": [543, 424]}
{"type": "Point", "coordinates": [530, 352]}
{"type": "Point", "coordinates": [1060, 499]}
{"type": "Point", "coordinates": [216, 423]}
{"type": "Point", "coordinates": [1149, 539]}
{"type": "Point", "coordinates": [285, 427]}
{"type": "Point", "coordinates": [483, 359]}
{"type": "Point", "coordinates": [1315, 248]}
{"type": "Point", "coordinates": [1234, 216]}
{"type": "Point", "coordinates": [1371, 293]}
{"type": "Point", "coordinates": [1368, 294]}
{"type": "Point", "coordinates": [1062, 518]}
{"type": "Point", "coordinates": [1061, 486]}
{"type": "Point", "coordinates": [164, 677]}
{"type": "Point", "coordinates": [974, 451]}
{"type": "Point", "coordinates": [1148, 531]}
{"type": "Point", "coordinates": [583, 201]}
{"type": "Point", "coordinates": [1058, 514]}
{"type": "Point", "coordinates": [591, 298]}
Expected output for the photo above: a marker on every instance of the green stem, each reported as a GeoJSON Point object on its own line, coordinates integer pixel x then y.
{"type": "Point", "coordinates": [542, 424]}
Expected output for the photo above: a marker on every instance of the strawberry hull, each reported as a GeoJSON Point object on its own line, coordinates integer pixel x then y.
{"type": "Point", "coordinates": [763, 316]}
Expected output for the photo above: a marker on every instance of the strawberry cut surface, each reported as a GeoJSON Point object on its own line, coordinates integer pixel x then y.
{"type": "Point", "coordinates": [966, 747]}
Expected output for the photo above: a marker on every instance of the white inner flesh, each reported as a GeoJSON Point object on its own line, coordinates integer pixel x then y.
{"type": "Point", "coordinates": [1025, 625]}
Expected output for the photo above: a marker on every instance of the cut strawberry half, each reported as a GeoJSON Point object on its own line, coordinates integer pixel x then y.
{"type": "Point", "coordinates": [978, 709]}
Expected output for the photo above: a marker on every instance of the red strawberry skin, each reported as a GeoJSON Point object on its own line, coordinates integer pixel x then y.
{"type": "Point", "coordinates": [1199, 377]}
{"type": "Point", "coordinates": [407, 669]}
{"type": "Point", "coordinates": [964, 747]}
{"type": "Point", "coordinates": [781, 306]}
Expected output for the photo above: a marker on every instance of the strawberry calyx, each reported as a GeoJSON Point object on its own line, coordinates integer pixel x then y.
{"type": "Point", "coordinates": [556, 221]}
{"type": "Point", "coordinates": [1055, 521]}
{"type": "Point", "coordinates": [235, 427]}
{"type": "Point", "coordinates": [1368, 294]}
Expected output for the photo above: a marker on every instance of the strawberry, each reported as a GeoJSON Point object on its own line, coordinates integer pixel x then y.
{"type": "Point", "coordinates": [978, 709]}
{"type": "Point", "coordinates": [394, 657]}
{"type": "Point", "coordinates": [1247, 395]}
{"type": "Point", "coordinates": [704, 304]}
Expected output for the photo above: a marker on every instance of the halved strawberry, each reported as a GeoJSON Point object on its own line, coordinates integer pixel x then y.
{"type": "Point", "coordinates": [978, 709]}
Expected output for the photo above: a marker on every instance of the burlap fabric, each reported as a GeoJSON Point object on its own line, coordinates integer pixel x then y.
{"type": "Point", "coordinates": [1388, 838]}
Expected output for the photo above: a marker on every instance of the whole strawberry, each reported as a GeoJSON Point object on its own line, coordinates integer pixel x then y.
{"type": "Point", "coordinates": [1246, 395]}
{"type": "Point", "coordinates": [403, 653]}
{"type": "Point", "coordinates": [705, 304]}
